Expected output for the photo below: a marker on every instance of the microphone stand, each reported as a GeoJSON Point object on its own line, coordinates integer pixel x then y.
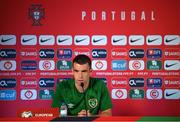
{"type": "Point", "coordinates": [82, 85]}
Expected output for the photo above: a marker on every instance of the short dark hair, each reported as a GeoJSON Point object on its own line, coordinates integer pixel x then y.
{"type": "Point", "coordinates": [82, 59]}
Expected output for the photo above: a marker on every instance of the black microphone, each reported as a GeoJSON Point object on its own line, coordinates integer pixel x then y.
{"type": "Point", "coordinates": [82, 85]}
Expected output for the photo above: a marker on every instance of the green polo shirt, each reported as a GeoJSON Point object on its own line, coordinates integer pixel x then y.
{"type": "Point", "coordinates": [96, 96]}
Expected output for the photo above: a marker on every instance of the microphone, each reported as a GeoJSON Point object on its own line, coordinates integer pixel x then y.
{"type": "Point", "coordinates": [82, 85]}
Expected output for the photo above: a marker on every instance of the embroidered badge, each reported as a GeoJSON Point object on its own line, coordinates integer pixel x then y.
{"type": "Point", "coordinates": [93, 102]}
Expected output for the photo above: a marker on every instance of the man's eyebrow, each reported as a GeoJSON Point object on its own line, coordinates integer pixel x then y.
{"type": "Point", "coordinates": [80, 70]}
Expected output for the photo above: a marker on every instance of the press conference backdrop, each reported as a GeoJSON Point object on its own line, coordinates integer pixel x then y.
{"type": "Point", "coordinates": [134, 47]}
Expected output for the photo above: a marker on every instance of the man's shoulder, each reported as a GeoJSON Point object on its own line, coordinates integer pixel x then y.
{"type": "Point", "coordinates": [65, 83]}
{"type": "Point", "coordinates": [97, 81]}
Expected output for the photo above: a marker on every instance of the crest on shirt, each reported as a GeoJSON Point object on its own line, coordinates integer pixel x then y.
{"type": "Point", "coordinates": [36, 13]}
{"type": "Point", "coordinates": [93, 102]}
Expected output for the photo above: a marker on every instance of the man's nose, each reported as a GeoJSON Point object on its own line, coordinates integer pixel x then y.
{"type": "Point", "coordinates": [80, 74]}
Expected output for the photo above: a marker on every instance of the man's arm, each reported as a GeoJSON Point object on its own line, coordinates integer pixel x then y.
{"type": "Point", "coordinates": [107, 112]}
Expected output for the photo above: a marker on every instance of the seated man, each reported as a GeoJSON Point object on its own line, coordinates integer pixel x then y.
{"type": "Point", "coordinates": [83, 95]}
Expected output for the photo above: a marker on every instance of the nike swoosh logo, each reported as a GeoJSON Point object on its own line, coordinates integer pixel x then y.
{"type": "Point", "coordinates": [152, 40]}
{"type": "Point", "coordinates": [135, 40]}
{"type": "Point", "coordinates": [45, 40]}
{"type": "Point", "coordinates": [169, 94]}
{"type": "Point", "coordinates": [80, 40]}
{"type": "Point", "coordinates": [170, 40]}
{"type": "Point", "coordinates": [26, 40]}
{"type": "Point", "coordinates": [170, 65]}
{"type": "Point", "coordinates": [5, 40]}
{"type": "Point", "coordinates": [62, 40]}
{"type": "Point", "coordinates": [94, 40]}
{"type": "Point", "coordinates": [116, 40]}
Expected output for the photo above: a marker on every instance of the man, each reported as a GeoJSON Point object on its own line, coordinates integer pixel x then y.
{"type": "Point", "coordinates": [83, 95]}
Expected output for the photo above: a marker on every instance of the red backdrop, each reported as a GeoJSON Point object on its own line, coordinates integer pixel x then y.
{"type": "Point", "coordinates": [64, 17]}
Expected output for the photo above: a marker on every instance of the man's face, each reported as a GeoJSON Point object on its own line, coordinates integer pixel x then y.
{"type": "Point", "coordinates": [81, 73]}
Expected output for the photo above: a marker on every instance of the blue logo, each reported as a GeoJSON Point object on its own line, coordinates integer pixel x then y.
{"type": "Point", "coordinates": [64, 53]}
{"type": "Point", "coordinates": [154, 82]}
{"type": "Point", "coordinates": [7, 94]}
{"type": "Point", "coordinates": [99, 53]}
{"type": "Point", "coordinates": [136, 53]}
{"type": "Point", "coordinates": [7, 83]}
{"type": "Point", "coordinates": [154, 53]}
{"type": "Point", "coordinates": [46, 53]}
{"type": "Point", "coordinates": [7, 53]}
{"type": "Point", "coordinates": [136, 82]}
{"type": "Point", "coordinates": [119, 65]}
{"type": "Point", "coordinates": [28, 65]}
{"type": "Point", "coordinates": [46, 82]}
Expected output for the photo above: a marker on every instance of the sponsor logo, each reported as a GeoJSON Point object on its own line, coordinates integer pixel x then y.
{"type": "Point", "coordinates": [99, 40]}
{"type": "Point", "coordinates": [119, 53]}
{"type": "Point", "coordinates": [172, 53]}
{"type": "Point", "coordinates": [28, 65]}
{"type": "Point", "coordinates": [46, 82]}
{"type": "Point", "coordinates": [28, 94]}
{"type": "Point", "coordinates": [136, 82]}
{"type": "Point", "coordinates": [7, 94]}
{"type": "Point", "coordinates": [172, 94]}
{"type": "Point", "coordinates": [154, 40]}
{"type": "Point", "coordinates": [28, 53]}
{"type": "Point", "coordinates": [99, 53]}
{"type": "Point", "coordinates": [154, 53]}
{"type": "Point", "coordinates": [119, 65]}
{"type": "Point", "coordinates": [46, 94]}
{"type": "Point", "coordinates": [37, 112]}
{"type": "Point", "coordinates": [46, 40]}
{"type": "Point", "coordinates": [119, 40]}
{"type": "Point", "coordinates": [154, 65]}
{"type": "Point", "coordinates": [171, 40]}
{"type": "Point", "coordinates": [119, 82]}
{"type": "Point", "coordinates": [36, 13]}
{"type": "Point", "coordinates": [136, 53]}
{"type": "Point", "coordinates": [46, 53]}
{"type": "Point", "coordinates": [64, 65]}
{"type": "Point", "coordinates": [26, 114]}
{"type": "Point", "coordinates": [7, 65]}
{"type": "Point", "coordinates": [28, 40]}
{"type": "Point", "coordinates": [29, 82]}
{"type": "Point", "coordinates": [7, 83]}
{"type": "Point", "coordinates": [171, 64]}
{"type": "Point", "coordinates": [136, 93]}
{"type": "Point", "coordinates": [154, 94]}
{"type": "Point", "coordinates": [8, 39]}
{"type": "Point", "coordinates": [136, 64]}
{"type": "Point", "coordinates": [136, 40]}
{"type": "Point", "coordinates": [99, 65]}
{"type": "Point", "coordinates": [154, 82]}
{"type": "Point", "coordinates": [172, 82]}
{"type": "Point", "coordinates": [64, 53]}
{"type": "Point", "coordinates": [7, 53]}
{"type": "Point", "coordinates": [119, 93]}
{"type": "Point", "coordinates": [64, 40]}
{"type": "Point", "coordinates": [84, 51]}
{"type": "Point", "coordinates": [46, 65]}
{"type": "Point", "coordinates": [81, 40]}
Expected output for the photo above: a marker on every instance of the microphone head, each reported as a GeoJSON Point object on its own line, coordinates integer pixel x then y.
{"type": "Point", "coordinates": [82, 84]}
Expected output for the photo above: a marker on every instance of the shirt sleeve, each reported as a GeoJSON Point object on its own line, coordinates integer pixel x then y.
{"type": "Point", "coordinates": [57, 97]}
{"type": "Point", "coordinates": [106, 102]}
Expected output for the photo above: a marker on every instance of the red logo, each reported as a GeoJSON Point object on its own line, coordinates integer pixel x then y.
{"type": "Point", "coordinates": [154, 94]}
{"type": "Point", "coordinates": [136, 65]}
